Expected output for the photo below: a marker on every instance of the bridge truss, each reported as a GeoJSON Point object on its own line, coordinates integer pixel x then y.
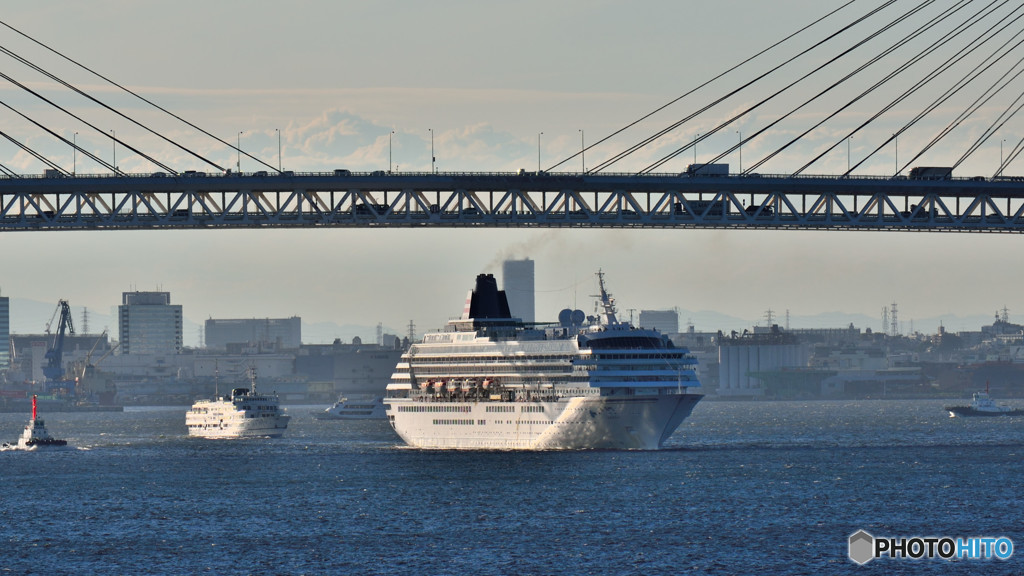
{"type": "Point", "coordinates": [497, 200]}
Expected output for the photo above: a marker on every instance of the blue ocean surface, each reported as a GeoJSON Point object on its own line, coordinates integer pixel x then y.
{"type": "Point", "coordinates": [742, 488]}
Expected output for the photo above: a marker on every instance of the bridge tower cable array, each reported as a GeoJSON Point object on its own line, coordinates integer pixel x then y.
{"type": "Point", "coordinates": [147, 101]}
{"type": "Point", "coordinates": [83, 121]}
{"type": "Point", "coordinates": [80, 119]}
{"type": "Point", "coordinates": [667, 130]}
{"type": "Point", "coordinates": [836, 84]}
{"type": "Point", "coordinates": [962, 28]}
{"type": "Point", "coordinates": [650, 139]}
{"type": "Point", "coordinates": [933, 74]}
{"type": "Point", "coordinates": [748, 111]}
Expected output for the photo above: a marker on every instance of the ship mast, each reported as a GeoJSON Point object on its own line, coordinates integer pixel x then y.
{"type": "Point", "coordinates": [606, 302]}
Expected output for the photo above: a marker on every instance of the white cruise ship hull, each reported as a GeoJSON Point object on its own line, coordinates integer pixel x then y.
{"type": "Point", "coordinates": [597, 422]}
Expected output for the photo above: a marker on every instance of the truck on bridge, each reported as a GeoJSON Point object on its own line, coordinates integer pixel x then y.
{"type": "Point", "coordinates": [931, 173]}
{"type": "Point", "coordinates": [707, 170]}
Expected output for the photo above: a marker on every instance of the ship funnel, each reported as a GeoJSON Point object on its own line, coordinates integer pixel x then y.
{"type": "Point", "coordinates": [487, 301]}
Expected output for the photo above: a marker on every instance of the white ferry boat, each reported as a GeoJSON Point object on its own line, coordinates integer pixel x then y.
{"type": "Point", "coordinates": [490, 382]}
{"type": "Point", "coordinates": [242, 414]}
{"type": "Point", "coordinates": [356, 408]}
{"type": "Point", "coordinates": [35, 433]}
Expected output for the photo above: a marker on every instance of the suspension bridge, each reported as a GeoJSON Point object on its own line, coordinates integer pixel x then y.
{"type": "Point", "coordinates": [944, 76]}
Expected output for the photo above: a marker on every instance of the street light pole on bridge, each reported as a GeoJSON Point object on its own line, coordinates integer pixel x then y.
{"type": "Point", "coordinates": [538, 151]}
{"type": "Point", "coordinates": [741, 150]}
{"type": "Point", "coordinates": [848, 138]}
{"type": "Point", "coordinates": [583, 153]}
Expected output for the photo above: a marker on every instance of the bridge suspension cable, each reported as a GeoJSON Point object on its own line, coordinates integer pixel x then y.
{"type": "Point", "coordinates": [980, 69]}
{"type": "Point", "coordinates": [24, 147]}
{"type": "Point", "coordinates": [650, 139]}
{"type": "Point", "coordinates": [136, 95]}
{"type": "Point", "coordinates": [735, 91]}
{"type": "Point", "coordinates": [76, 117]}
{"type": "Point", "coordinates": [988, 63]}
{"type": "Point", "coordinates": [932, 74]}
{"type": "Point", "coordinates": [964, 28]}
{"type": "Point", "coordinates": [891, 49]}
{"type": "Point", "coordinates": [104, 105]}
{"type": "Point", "coordinates": [874, 60]}
{"type": "Point", "coordinates": [817, 69]}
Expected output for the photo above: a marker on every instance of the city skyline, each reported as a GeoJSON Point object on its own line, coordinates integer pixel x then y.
{"type": "Point", "coordinates": [334, 80]}
{"type": "Point", "coordinates": [30, 316]}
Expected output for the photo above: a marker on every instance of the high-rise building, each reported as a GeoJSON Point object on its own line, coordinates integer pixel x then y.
{"type": "Point", "coordinates": [149, 323]}
{"type": "Point", "coordinates": [5, 333]}
{"type": "Point", "coordinates": [517, 281]}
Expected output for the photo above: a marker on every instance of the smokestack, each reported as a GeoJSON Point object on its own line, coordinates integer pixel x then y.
{"type": "Point", "coordinates": [487, 300]}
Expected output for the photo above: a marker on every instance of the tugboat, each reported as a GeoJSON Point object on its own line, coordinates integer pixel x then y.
{"type": "Point", "coordinates": [982, 405]}
{"type": "Point", "coordinates": [35, 433]}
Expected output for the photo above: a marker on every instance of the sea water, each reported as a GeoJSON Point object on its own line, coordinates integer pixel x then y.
{"type": "Point", "coordinates": [741, 488]}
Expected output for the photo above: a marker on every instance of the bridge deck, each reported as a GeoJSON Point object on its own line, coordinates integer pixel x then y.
{"type": "Point", "coordinates": [343, 199]}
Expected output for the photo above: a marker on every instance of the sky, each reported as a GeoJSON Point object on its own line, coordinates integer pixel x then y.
{"type": "Point", "coordinates": [494, 84]}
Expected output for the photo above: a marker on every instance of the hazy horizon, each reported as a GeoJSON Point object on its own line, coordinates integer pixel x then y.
{"type": "Point", "coordinates": [29, 316]}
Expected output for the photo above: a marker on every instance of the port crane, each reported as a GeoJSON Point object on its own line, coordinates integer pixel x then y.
{"type": "Point", "coordinates": [81, 369]}
{"type": "Point", "coordinates": [54, 369]}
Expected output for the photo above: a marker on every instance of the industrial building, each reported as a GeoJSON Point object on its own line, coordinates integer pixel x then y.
{"type": "Point", "coordinates": [277, 333]}
{"type": "Point", "coordinates": [664, 321]}
{"type": "Point", "coordinates": [742, 357]}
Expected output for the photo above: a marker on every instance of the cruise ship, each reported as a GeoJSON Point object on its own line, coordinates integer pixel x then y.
{"type": "Point", "coordinates": [491, 382]}
{"type": "Point", "coordinates": [244, 413]}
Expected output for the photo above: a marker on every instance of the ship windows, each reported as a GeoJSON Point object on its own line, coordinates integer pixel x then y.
{"type": "Point", "coordinates": [438, 408]}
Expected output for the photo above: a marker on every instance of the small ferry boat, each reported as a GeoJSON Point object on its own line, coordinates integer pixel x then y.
{"type": "Point", "coordinates": [983, 405]}
{"type": "Point", "coordinates": [35, 433]}
{"type": "Point", "coordinates": [242, 414]}
{"type": "Point", "coordinates": [366, 408]}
